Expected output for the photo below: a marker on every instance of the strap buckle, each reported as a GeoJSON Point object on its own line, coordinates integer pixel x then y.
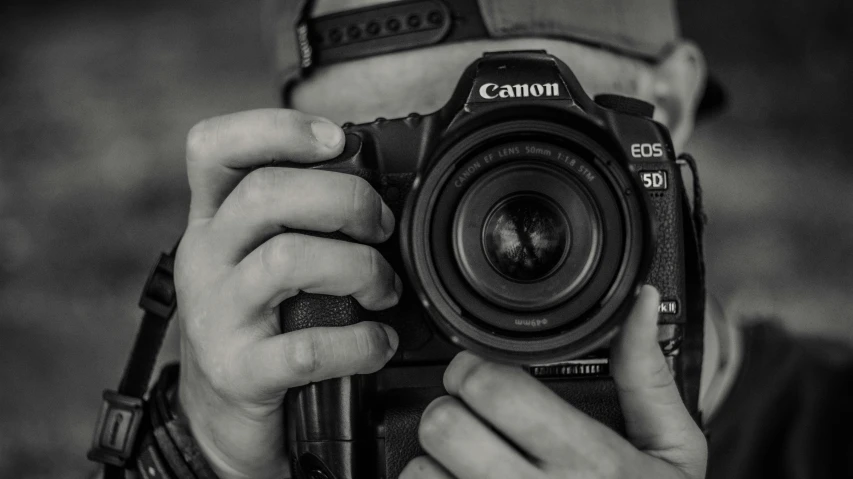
{"type": "Point", "coordinates": [158, 295]}
{"type": "Point", "coordinates": [117, 429]}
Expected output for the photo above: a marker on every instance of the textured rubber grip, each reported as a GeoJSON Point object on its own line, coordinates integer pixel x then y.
{"type": "Point", "coordinates": [307, 310]}
{"type": "Point", "coordinates": [667, 269]}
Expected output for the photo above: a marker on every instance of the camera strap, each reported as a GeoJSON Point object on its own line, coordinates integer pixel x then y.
{"type": "Point", "coordinates": [688, 363]}
{"type": "Point", "coordinates": [118, 431]}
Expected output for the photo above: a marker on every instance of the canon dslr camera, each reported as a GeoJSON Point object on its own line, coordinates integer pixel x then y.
{"type": "Point", "coordinates": [528, 217]}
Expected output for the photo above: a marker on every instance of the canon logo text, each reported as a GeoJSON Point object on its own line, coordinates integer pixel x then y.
{"type": "Point", "coordinates": [490, 91]}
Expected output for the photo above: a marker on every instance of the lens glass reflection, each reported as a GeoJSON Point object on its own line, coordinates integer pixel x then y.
{"type": "Point", "coordinates": [525, 237]}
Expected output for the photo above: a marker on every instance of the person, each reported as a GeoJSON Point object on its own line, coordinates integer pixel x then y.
{"type": "Point", "coordinates": [768, 402]}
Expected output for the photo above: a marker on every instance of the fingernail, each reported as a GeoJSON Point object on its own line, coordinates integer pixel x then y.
{"type": "Point", "coordinates": [393, 338]}
{"type": "Point", "coordinates": [326, 133]}
{"type": "Point", "coordinates": [388, 220]}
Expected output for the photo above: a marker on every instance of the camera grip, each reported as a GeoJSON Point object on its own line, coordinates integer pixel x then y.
{"type": "Point", "coordinates": [326, 424]}
{"type": "Point", "coordinates": [307, 310]}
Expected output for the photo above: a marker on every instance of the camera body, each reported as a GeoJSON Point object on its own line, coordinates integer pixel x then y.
{"type": "Point", "coordinates": [528, 217]}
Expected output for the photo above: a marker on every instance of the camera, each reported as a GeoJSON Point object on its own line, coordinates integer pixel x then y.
{"type": "Point", "coordinates": [528, 216]}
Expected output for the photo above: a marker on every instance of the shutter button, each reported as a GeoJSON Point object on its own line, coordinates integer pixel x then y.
{"type": "Point", "coordinates": [624, 104]}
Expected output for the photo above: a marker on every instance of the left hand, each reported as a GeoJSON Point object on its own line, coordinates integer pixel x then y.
{"type": "Point", "coordinates": [500, 423]}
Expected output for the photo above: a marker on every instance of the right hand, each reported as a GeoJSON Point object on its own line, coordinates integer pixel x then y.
{"type": "Point", "coordinates": [237, 262]}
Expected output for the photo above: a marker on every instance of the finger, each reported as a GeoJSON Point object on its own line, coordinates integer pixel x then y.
{"type": "Point", "coordinates": [527, 412]}
{"type": "Point", "coordinates": [291, 262]}
{"type": "Point", "coordinates": [466, 447]}
{"type": "Point", "coordinates": [268, 200]}
{"type": "Point", "coordinates": [280, 362]}
{"type": "Point", "coordinates": [221, 150]}
{"type": "Point", "coordinates": [655, 416]}
{"type": "Point", "coordinates": [424, 467]}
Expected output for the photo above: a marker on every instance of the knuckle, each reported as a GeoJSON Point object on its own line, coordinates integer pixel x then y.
{"type": "Point", "coordinates": [197, 139]}
{"type": "Point", "coordinates": [363, 199]}
{"type": "Point", "coordinates": [284, 119]}
{"type": "Point", "coordinates": [280, 256]}
{"type": "Point", "coordinates": [372, 263]}
{"type": "Point", "coordinates": [204, 137]}
{"type": "Point", "coordinates": [304, 357]}
{"type": "Point", "coordinates": [437, 419]}
{"type": "Point", "coordinates": [690, 439]}
{"type": "Point", "coordinates": [654, 378]}
{"type": "Point", "coordinates": [661, 377]}
{"type": "Point", "coordinates": [253, 191]}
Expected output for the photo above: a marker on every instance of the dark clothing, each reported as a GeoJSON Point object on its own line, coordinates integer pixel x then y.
{"type": "Point", "coordinates": [789, 414]}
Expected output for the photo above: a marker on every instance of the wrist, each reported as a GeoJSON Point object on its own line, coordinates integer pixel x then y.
{"type": "Point", "coordinates": [170, 440]}
{"type": "Point", "coordinates": [235, 445]}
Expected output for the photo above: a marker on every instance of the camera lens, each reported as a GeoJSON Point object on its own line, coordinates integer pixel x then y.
{"type": "Point", "coordinates": [523, 239]}
{"type": "Point", "coordinates": [526, 237]}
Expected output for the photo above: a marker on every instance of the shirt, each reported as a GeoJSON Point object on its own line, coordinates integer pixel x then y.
{"type": "Point", "coordinates": [788, 414]}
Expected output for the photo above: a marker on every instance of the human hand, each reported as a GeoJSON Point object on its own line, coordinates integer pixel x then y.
{"type": "Point", "coordinates": [495, 411]}
{"type": "Point", "coordinates": [237, 262]}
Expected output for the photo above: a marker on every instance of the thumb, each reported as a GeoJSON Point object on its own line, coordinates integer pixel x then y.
{"type": "Point", "coordinates": [656, 419]}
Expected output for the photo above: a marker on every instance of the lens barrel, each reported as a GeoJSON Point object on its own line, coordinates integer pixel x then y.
{"type": "Point", "coordinates": [523, 239]}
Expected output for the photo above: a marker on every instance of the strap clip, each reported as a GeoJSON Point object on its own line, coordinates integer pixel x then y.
{"type": "Point", "coordinates": [117, 429]}
{"type": "Point", "coordinates": [158, 295]}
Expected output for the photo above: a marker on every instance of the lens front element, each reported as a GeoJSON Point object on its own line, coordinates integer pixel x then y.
{"type": "Point", "coordinates": [526, 237]}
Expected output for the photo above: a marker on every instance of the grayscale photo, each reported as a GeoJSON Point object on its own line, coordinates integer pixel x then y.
{"type": "Point", "coordinates": [426, 239]}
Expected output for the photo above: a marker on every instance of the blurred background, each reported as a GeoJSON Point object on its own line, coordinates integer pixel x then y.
{"type": "Point", "coordinates": [96, 98]}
